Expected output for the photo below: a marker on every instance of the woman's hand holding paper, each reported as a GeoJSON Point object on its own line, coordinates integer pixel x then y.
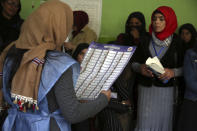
{"type": "Point", "coordinates": [145, 71]}
{"type": "Point", "coordinates": [107, 93]}
{"type": "Point", "coordinates": [169, 73]}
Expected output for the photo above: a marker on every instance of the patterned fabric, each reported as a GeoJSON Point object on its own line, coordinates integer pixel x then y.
{"type": "Point", "coordinates": [109, 121]}
{"type": "Point", "coordinates": [163, 43]}
{"type": "Point", "coordinates": [38, 61]}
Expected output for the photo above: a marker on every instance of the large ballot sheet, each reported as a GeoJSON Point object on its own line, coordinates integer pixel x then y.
{"type": "Point", "coordinates": [101, 66]}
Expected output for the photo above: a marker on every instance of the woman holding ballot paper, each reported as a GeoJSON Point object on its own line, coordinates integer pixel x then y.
{"type": "Point", "coordinates": [156, 91]}
{"type": "Point", "coordinates": [38, 79]}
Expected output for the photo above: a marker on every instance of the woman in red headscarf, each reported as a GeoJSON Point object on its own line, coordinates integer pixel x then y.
{"type": "Point", "coordinates": [81, 32]}
{"type": "Point", "coordinates": [156, 91]}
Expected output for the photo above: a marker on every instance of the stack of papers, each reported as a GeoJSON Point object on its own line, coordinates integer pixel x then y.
{"type": "Point", "coordinates": [155, 65]}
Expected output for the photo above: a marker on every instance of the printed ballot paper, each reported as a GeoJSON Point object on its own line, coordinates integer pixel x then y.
{"type": "Point", "coordinates": [101, 66]}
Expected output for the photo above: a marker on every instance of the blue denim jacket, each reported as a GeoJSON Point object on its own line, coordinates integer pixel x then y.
{"type": "Point", "coordinates": [190, 74]}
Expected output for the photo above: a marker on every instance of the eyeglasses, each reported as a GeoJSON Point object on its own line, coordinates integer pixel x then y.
{"type": "Point", "coordinates": [12, 3]}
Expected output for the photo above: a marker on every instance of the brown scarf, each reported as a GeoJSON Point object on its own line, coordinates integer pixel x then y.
{"type": "Point", "coordinates": [45, 29]}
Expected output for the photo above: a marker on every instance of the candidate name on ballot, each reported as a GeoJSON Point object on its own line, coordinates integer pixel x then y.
{"type": "Point", "coordinates": [101, 66]}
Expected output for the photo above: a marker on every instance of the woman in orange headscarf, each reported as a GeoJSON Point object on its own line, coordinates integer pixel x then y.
{"type": "Point", "coordinates": [156, 91]}
{"type": "Point", "coordinates": [38, 80]}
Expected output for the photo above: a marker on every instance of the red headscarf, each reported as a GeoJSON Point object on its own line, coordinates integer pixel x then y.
{"type": "Point", "coordinates": [80, 20]}
{"type": "Point", "coordinates": [171, 22]}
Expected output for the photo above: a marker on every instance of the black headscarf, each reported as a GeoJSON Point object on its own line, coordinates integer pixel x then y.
{"type": "Point", "coordinates": [192, 30]}
{"type": "Point", "coordinates": [79, 48]}
{"type": "Point", "coordinates": [19, 9]}
{"type": "Point", "coordinates": [128, 38]}
{"type": "Point", "coordinates": [9, 28]}
{"type": "Point", "coordinates": [140, 17]}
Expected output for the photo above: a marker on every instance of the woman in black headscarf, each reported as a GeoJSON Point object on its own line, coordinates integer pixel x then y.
{"type": "Point", "coordinates": [10, 22]}
{"type": "Point", "coordinates": [80, 52]}
{"type": "Point", "coordinates": [135, 30]}
{"type": "Point", "coordinates": [188, 35]}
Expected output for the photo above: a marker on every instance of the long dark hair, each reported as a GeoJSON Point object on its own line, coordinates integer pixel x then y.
{"type": "Point", "coordinates": [19, 9]}
{"type": "Point", "coordinates": [79, 48]}
{"type": "Point", "coordinates": [140, 17]}
{"type": "Point", "coordinates": [191, 29]}
{"type": "Point", "coordinates": [195, 47]}
{"type": "Point", "coordinates": [128, 37]}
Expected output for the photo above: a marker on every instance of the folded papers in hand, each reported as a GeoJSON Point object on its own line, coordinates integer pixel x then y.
{"type": "Point", "coordinates": [155, 65]}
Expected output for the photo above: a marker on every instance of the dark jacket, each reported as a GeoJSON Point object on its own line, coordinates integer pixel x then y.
{"type": "Point", "coordinates": [9, 30]}
{"type": "Point", "coordinates": [175, 51]}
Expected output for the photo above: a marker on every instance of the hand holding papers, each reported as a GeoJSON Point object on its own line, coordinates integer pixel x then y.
{"type": "Point", "coordinates": [102, 64]}
{"type": "Point", "coordinates": [155, 66]}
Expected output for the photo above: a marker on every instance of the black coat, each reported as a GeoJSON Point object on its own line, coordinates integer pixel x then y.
{"type": "Point", "coordinates": [173, 58]}
{"type": "Point", "coordinates": [9, 30]}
